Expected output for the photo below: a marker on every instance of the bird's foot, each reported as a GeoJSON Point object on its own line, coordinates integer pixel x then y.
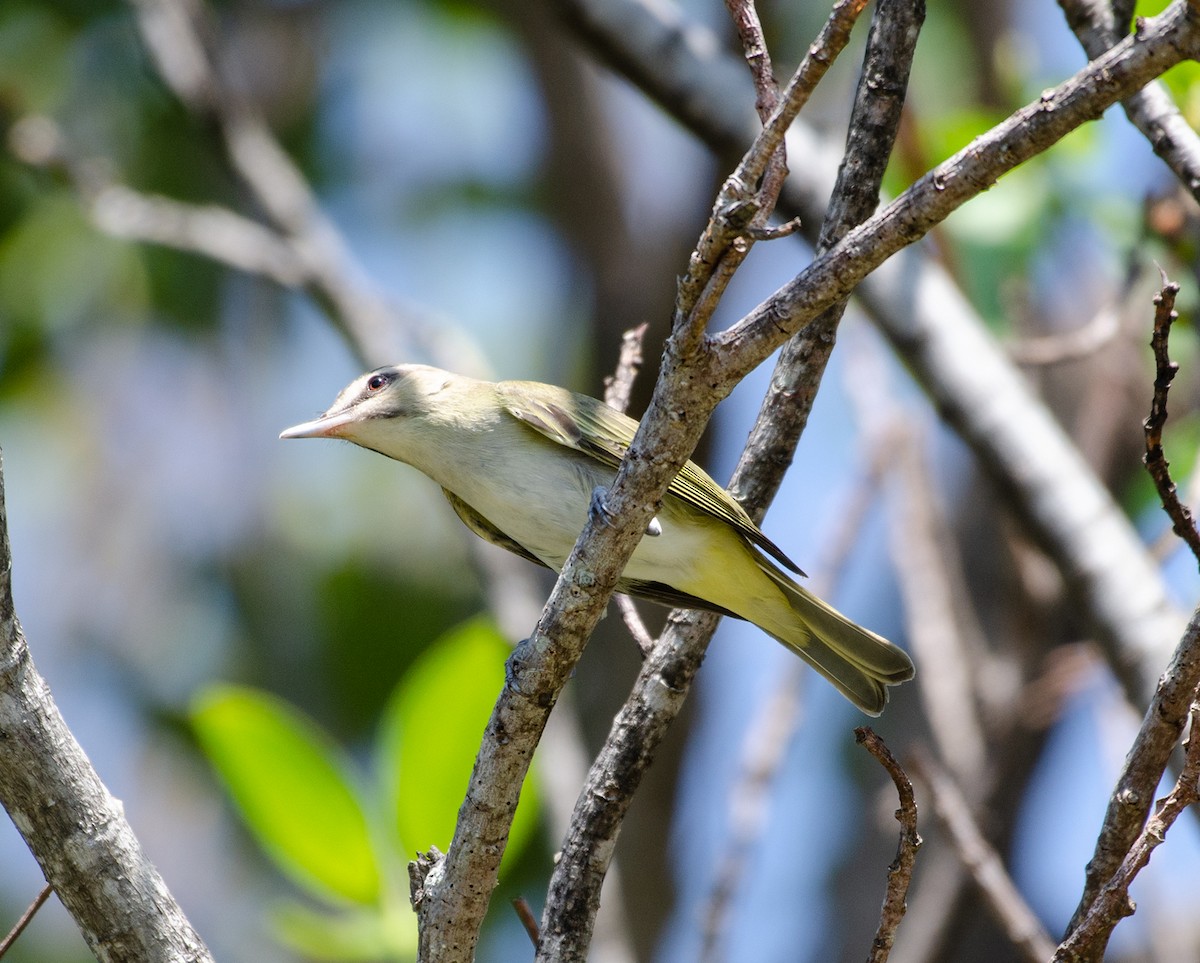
{"type": "Point", "coordinates": [598, 508]}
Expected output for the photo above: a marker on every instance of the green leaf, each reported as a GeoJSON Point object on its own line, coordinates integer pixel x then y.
{"type": "Point", "coordinates": [358, 934]}
{"type": "Point", "coordinates": [288, 781]}
{"type": "Point", "coordinates": [431, 731]}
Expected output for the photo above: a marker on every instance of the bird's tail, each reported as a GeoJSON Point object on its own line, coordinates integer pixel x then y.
{"type": "Point", "coordinates": [860, 663]}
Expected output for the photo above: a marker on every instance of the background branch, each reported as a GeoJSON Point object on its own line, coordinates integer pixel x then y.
{"type": "Point", "coordinates": [983, 863]}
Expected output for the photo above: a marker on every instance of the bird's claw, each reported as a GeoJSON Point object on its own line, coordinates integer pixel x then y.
{"type": "Point", "coordinates": [598, 509]}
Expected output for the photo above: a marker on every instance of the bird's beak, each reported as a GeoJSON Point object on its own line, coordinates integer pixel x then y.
{"type": "Point", "coordinates": [327, 426]}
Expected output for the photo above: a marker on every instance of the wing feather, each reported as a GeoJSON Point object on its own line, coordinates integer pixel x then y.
{"type": "Point", "coordinates": [589, 426]}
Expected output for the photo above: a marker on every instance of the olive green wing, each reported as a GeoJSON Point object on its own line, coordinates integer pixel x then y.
{"type": "Point", "coordinates": [486, 530]}
{"type": "Point", "coordinates": [587, 425]}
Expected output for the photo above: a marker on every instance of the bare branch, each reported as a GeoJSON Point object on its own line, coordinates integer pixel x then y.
{"type": "Point", "coordinates": [1099, 25]}
{"type": "Point", "coordinates": [1144, 767]}
{"type": "Point", "coordinates": [525, 914]}
{"type": "Point", "coordinates": [754, 47]}
{"type": "Point", "coordinates": [1088, 939]}
{"type": "Point", "coordinates": [75, 829]}
{"type": "Point", "coordinates": [1182, 521]}
{"type": "Point", "coordinates": [665, 678]}
{"type": "Point", "coordinates": [983, 863]}
{"type": "Point", "coordinates": [941, 339]}
{"type": "Point", "coordinates": [26, 918]}
{"type": "Point", "coordinates": [633, 622]}
{"type": "Point", "coordinates": [741, 208]}
{"type": "Point", "coordinates": [619, 385]}
{"type": "Point", "coordinates": [901, 870]}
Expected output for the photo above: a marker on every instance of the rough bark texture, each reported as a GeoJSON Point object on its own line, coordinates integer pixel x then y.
{"type": "Point", "coordinates": [75, 829]}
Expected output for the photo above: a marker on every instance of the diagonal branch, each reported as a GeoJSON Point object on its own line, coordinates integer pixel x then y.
{"type": "Point", "coordinates": [1089, 938]}
{"type": "Point", "coordinates": [940, 337]}
{"type": "Point", "coordinates": [75, 829]}
{"type": "Point", "coordinates": [635, 735]}
{"type": "Point", "coordinates": [696, 373]}
{"type": "Point", "coordinates": [1151, 109]}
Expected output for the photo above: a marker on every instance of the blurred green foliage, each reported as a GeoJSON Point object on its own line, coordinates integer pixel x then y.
{"type": "Point", "coordinates": [345, 838]}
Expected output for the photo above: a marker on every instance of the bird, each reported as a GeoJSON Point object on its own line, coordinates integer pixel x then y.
{"type": "Point", "coordinates": [522, 463]}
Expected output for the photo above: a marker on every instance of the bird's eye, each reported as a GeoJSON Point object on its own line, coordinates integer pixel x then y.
{"type": "Point", "coordinates": [375, 382]}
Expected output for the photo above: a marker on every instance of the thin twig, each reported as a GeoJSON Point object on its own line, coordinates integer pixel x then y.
{"type": "Point", "coordinates": [1182, 521]}
{"type": "Point", "coordinates": [983, 863]}
{"type": "Point", "coordinates": [754, 47]}
{"type": "Point", "coordinates": [633, 623]}
{"type": "Point", "coordinates": [617, 388]}
{"type": "Point", "coordinates": [726, 241]}
{"type": "Point", "coordinates": [774, 233]}
{"type": "Point", "coordinates": [774, 727]}
{"type": "Point", "coordinates": [901, 869]}
{"type": "Point", "coordinates": [619, 385]}
{"type": "Point", "coordinates": [1112, 904]}
{"type": "Point", "coordinates": [26, 918]}
{"type": "Point", "coordinates": [525, 914]}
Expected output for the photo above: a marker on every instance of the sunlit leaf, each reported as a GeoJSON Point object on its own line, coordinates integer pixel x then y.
{"type": "Point", "coordinates": [356, 934]}
{"type": "Point", "coordinates": [289, 784]}
{"type": "Point", "coordinates": [431, 732]}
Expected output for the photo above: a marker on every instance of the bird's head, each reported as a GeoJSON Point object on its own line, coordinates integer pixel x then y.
{"type": "Point", "coordinates": [377, 409]}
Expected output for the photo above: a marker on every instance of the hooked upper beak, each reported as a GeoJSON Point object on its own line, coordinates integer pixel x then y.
{"type": "Point", "coordinates": [327, 426]}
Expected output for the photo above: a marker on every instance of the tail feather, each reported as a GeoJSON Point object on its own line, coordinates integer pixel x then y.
{"type": "Point", "coordinates": [858, 662]}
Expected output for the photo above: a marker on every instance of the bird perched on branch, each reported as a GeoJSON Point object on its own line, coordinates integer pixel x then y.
{"type": "Point", "coordinates": [520, 462]}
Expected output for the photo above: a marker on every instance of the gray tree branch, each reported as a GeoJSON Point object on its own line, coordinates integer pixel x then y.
{"type": "Point", "coordinates": [697, 372]}
{"type": "Point", "coordinates": [631, 745]}
{"type": "Point", "coordinates": [73, 826]}
{"type": "Point", "coordinates": [937, 333]}
{"type": "Point", "coordinates": [1151, 109]}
